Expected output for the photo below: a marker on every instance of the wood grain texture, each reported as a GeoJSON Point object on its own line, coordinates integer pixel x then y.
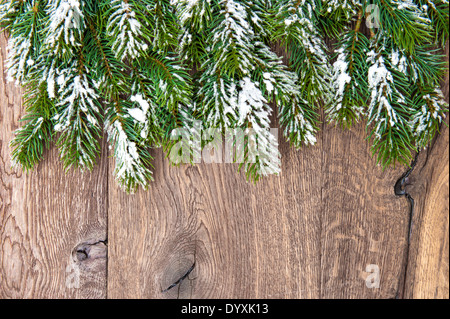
{"type": "Point", "coordinates": [427, 273]}
{"type": "Point", "coordinates": [316, 231]}
{"type": "Point", "coordinates": [428, 269]}
{"type": "Point", "coordinates": [247, 241]}
{"type": "Point", "coordinates": [45, 217]}
{"type": "Point", "coordinates": [309, 233]}
{"type": "Point", "coordinates": [363, 221]}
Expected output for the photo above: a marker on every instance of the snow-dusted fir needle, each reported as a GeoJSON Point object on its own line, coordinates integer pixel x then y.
{"type": "Point", "coordinates": [28, 20]}
{"type": "Point", "coordinates": [437, 11]}
{"type": "Point", "coordinates": [349, 81]}
{"type": "Point", "coordinates": [124, 66]}
{"type": "Point", "coordinates": [77, 117]}
{"type": "Point", "coordinates": [66, 26]}
{"type": "Point", "coordinates": [389, 108]}
{"type": "Point", "coordinates": [194, 17]}
{"type": "Point", "coordinates": [233, 76]}
{"type": "Point", "coordinates": [296, 26]}
{"type": "Point", "coordinates": [128, 35]}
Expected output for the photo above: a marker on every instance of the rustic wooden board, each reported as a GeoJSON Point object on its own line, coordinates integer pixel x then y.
{"type": "Point", "coordinates": [247, 241]}
{"type": "Point", "coordinates": [310, 233]}
{"type": "Point", "coordinates": [427, 274]}
{"type": "Point", "coordinates": [45, 217]}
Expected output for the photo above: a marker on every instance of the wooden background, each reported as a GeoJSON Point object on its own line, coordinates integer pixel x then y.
{"type": "Point", "coordinates": [309, 233]}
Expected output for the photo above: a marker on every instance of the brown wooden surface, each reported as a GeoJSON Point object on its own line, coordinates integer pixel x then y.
{"type": "Point", "coordinates": [428, 268]}
{"type": "Point", "coordinates": [46, 216]}
{"type": "Point", "coordinates": [309, 233]}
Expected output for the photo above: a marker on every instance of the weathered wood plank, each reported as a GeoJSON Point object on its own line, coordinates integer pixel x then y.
{"type": "Point", "coordinates": [363, 222]}
{"type": "Point", "coordinates": [45, 217]}
{"type": "Point", "coordinates": [247, 241]}
{"type": "Point", "coordinates": [428, 269]}
{"type": "Point", "coordinates": [318, 230]}
{"type": "Point", "coordinates": [309, 233]}
{"type": "Point", "coordinates": [427, 273]}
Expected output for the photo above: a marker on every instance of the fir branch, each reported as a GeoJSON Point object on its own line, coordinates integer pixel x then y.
{"type": "Point", "coordinates": [405, 23]}
{"type": "Point", "coordinates": [261, 155]}
{"type": "Point", "coordinates": [429, 113]}
{"type": "Point", "coordinates": [78, 113]}
{"type": "Point", "coordinates": [231, 42]}
{"type": "Point", "coordinates": [195, 18]}
{"type": "Point", "coordinates": [230, 95]}
{"type": "Point", "coordinates": [25, 40]}
{"type": "Point", "coordinates": [127, 34]}
{"type": "Point", "coordinates": [438, 13]}
{"type": "Point", "coordinates": [167, 87]}
{"type": "Point", "coordinates": [76, 56]}
{"type": "Point", "coordinates": [426, 66]}
{"type": "Point", "coordinates": [335, 15]}
{"type": "Point", "coordinates": [260, 13]}
{"type": "Point", "coordinates": [389, 110]}
{"type": "Point", "coordinates": [110, 71]}
{"type": "Point", "coordinates": [297, 116]}
{"type": "Point", "coordinates": [145, 114]}
{"type": "Point", "coordinates": [31, 139]}
{"type": "Point", "coordinates": [229, 60]}
{"type": "Point", "coordinates": [66, 27]}
{"type": "Point", "coordinates": [9, 11]}
{"type": "Point", "coordinates": [297, 27]}
{"type": "Point", "coordinates": [164, 27]}
{"type": "Point", "coordinates": [133, 161]}
{"type": "Point", "coordinates": [350, 78]}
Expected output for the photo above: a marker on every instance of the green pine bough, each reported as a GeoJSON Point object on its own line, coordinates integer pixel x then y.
{"type": "Point", "coordinates": [139, 70]}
